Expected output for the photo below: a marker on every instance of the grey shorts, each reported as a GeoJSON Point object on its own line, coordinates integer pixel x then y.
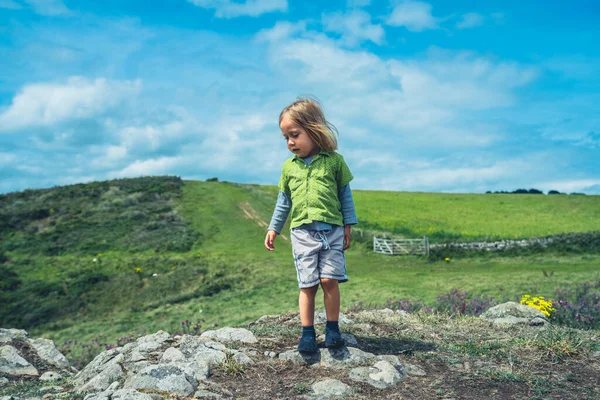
{"type": "Point", "coordinates": [319, 254]}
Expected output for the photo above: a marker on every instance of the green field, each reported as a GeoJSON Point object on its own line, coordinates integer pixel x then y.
{"type": "Point", "coordinates": [206, 249]}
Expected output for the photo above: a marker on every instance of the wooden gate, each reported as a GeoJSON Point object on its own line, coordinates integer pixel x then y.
{"type": "Point", "coordinates": [395, 247]}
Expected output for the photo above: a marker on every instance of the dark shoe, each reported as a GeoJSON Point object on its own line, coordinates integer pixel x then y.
{"type": "Point", "coordinates": [308, 344]}
{"type": "Point", "coordinates": [333, 339]}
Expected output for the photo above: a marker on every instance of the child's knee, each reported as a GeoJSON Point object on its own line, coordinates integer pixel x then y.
{"type": "Point", "coordinates": [329, 283]}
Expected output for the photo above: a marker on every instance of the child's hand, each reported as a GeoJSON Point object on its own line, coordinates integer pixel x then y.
{"type": "Point", "coordinates": [271, 235]}
{"type": "Point", "coordinates": [347, 229]}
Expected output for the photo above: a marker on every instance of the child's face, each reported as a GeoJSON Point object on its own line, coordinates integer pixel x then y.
{"type": "Point", "coordinates": [298, 141]}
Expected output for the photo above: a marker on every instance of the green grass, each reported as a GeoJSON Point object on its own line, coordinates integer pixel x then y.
{"type": "Point", "coordinates": [226, 276]}
{"type": "Point", "coordinates": [474, 216]}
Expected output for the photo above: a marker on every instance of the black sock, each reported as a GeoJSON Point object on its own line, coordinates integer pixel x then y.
{"type": "Point", "coordinates": [308, 331]}
{"type": "Point", "coordinates": [332, 326]}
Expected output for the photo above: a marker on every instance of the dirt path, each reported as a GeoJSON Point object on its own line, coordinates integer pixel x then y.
{"type": "Point", "coordinates": [251, 213]}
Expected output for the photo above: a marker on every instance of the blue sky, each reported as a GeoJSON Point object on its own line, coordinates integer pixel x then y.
{"type": "Point", "coordinates": [438, 96]}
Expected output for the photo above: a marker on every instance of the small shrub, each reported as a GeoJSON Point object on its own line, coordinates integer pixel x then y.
{"type": "Point", "coordinates": [579, 306]}
{"type": "Point", "coordinates": [459, 302]}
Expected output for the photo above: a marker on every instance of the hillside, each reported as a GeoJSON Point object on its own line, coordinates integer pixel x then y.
{"type": "Point", "coordinates": [108, 260]}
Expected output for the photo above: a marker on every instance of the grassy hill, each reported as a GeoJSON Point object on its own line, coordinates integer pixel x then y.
{"type": "Point", "coordinates": [106, 260]}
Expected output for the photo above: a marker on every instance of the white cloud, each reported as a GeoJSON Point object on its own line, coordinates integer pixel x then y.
{"type": "Point", "coordinates": [431, 175]}
{"type": "Point", "coordinates": [413, 15]}
{"type": "Point", "coordinates": [281, 30]}
{"type": "Point", "coordinates": [470, 20]}
{"type": "Point", "coordinates": [46, 104]}
{"type": "Point", "coordinates": [151, 137]}
{"type": "Point", "coordinates": [50, 8]}
{"type": "Point", "coordinates": [153, 166]}
{"type": "Point", "coordinates": [251, 8]}
{"type": "Point", "coordinates": [355, 27]}
{"type": "Point", "coordinates": [10, 4]}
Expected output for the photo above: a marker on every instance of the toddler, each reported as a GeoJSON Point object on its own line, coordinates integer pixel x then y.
{"type": "Point", "coordinates": [314, 191]}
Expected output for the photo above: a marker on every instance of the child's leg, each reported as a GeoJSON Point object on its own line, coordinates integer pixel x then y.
{"type": "Point", "coordinates": [306, 303]}
{"type": "Point", "coordinates": [331, 297]}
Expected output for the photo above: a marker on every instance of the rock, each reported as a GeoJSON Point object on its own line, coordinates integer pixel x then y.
{"type": "Point", "coordinates": [241, 358]}
{"type": "Point", "coordinates": [394, 360]}
{"type": "Point", "coordinates": [205, 394]}
{"type": "Point", "coordinates": [386, 311]}
{"type": "Point", "coordinates": [172, 355]}
{"type": "Point", "coordinates": [510, 321]}
{"type": "Point", "coordinates": [414, 370]}
{"type": "Point", "coordinates": [11, 363]}
{"type": "Point", "coordinates": [270, 354]}
{"type": "Point", "coordinates": [101, 362]}
{"type": "Point", "coordinates": [130, 394]}
{"type": "Point", "coordinates": [48, 352]}
{"type": "Point", "coordinates": [349, 339]}
{"type": "Point", "coordinates": [103, 380]}
{"type": "Point", "coordinates": [133, 368]}
{"type": "Point", "coordinates": [596, 354]}
{"type": "Point", "coordinates": [331, 389]}
{"type": "Point", "coordinates": [149, 343]}
{"type": "Point", "coordinates": [300, 358]}
{"type": "Point", "coordinates": [227, 335]}
{"type": "Point", "coordinates": [381, 375]}
{"type": "Point", "coordinates": [537, 321]}
{"type": "Point", "coordinates": [106, 394]}
{"type": "Point", "coordinates": [403, 314]}
{"type": "Point", "coordinates": [194, 349]}
{"type": "Point", "coordinates": [512, 309]}
{"type": "Point", "coordinates": [171, 378]}
{"type": "Point", "coordinates": [3, 381]}
{"type": "Point", "coordinates": [512, 313]}
{"type": "Point", "coordinates": [344, 357]}
{"type": "Point", "coordinates": [8, 335]}
{"type": "Point", "coordinates": [50, 376]}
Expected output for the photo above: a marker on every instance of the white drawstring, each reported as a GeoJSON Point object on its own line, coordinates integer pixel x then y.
{"type": "Point", "coordinates": [323, 239]}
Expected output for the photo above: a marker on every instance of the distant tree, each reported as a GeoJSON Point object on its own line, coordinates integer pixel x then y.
{"type": "Point", "coordinates": [535, 191]}
{"type": "Point", "coordinates": [521, 191]}
{"type": "Point", "coordinates": [554, 192]}
{"type": "Point", "coordinates": [576, 194]}
{"type": "Point", "coordinates": [215, 179]}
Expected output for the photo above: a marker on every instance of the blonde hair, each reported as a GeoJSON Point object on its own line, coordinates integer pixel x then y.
{"type": "Point", "coordinates": [308, 113]}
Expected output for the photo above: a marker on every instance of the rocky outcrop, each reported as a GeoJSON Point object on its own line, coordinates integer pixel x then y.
{"type": "Point", "coordinates": [23, 357]}
{"type": "Point", "coordinates": [161, 365]}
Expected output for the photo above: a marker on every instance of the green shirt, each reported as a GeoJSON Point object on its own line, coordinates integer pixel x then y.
{"type": "Point", "coordinates": [313, 188]}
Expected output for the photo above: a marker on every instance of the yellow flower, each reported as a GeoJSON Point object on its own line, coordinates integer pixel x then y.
{"type": "Point", "coordinates": [539, 303]}
{"type": "Point", "coordinates": [447, 259]}
{"type": "Point", "coordinates": [138, 270]}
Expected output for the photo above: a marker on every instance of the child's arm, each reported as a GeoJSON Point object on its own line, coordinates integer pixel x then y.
{"type": "Point", "coordinates": [280, 214]}
{"type": "Point", "coordinates": [348, 212]}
